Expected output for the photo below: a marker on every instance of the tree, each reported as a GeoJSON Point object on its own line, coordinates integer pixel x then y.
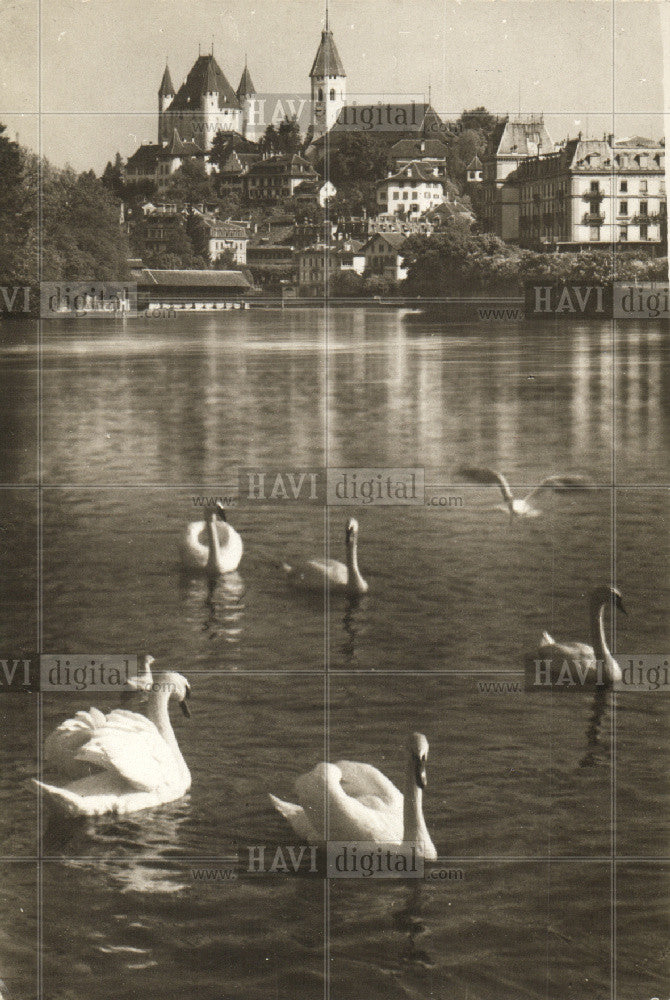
{"type": "Point", "coordinates": [81, 232]}
{"type": "Point", "coordinates": [270, 141]}
{"type": "Point", "coordinates": [18, 213]}
{"type": "Point", "coordinates": [112, 176]}
{"type": "Point", "coordinates": [220, 150]}
{"type": "Point", "coordinates": [190, 184]}
{"type": "Point", "coordinates": [288, 135]}
{"type": "Point", "coordinates": [478, 119]}
{"type": "Point", "coordinates": [225, 261]}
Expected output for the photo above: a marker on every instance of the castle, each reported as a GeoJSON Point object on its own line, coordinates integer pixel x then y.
{"type": "Point", "coordinates": [189, 118]}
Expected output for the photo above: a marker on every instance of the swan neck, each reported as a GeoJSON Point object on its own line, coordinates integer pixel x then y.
{"type": "Point", "coordinates": [214, 546]}
{"type": "Point", "coordinates": [157, 711]}
{"type": "Point", "coordinates": [598, 637]}
{"type": "Point", "coordinates": [353, 571]}
{"type": "Point", "coordinates": [415, 830]}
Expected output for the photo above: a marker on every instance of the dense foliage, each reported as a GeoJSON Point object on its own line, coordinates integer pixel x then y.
{"type": "Point", "coordinates": [77, 216]}
{"type": "Point", "coordinates": [456, 260]}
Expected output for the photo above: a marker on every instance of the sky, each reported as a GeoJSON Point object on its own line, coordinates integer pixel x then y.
{"type": "Point", "coordinates": [93, 67]}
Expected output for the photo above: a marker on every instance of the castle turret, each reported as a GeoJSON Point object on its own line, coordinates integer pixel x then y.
{"type": "Point", "coordinates": [329, 83]}
{"type": "Point", "coordinates": [252, 124]}
{"type": "Point", "coordinates": [165, 94]}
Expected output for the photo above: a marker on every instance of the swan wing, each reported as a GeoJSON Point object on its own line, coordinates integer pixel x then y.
{"type": "Point", "coordinates": [489, 477]}
{"type": "Point", "coordinates": [62, 745]}
{"type": "Point", "coordinates": [367, 784]}
{"type": "Point", "coordinates": [558, 483]}
{"type": "Point", "coordinates": [350, 817]}
{"type": "Point", "coordinates": [313, 575]}
{"type": "Point", "coordinates": [138, 754]}
{"type": "Point", "coordinates": [194, 547]}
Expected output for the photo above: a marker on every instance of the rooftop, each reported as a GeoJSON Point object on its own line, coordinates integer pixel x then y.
{"type": "Point", "coordinates": [183, 278]}
{"type": "Point", "coordinates": [327, 61]}
{"type": "Point", "coordinates": [166, 89]}
{"type": "Point", "coordinates": [205, 77]}
{"type": "Point", "coordinates": [415, 170]}
{"type": "Point", "coordinates": [246, 86]}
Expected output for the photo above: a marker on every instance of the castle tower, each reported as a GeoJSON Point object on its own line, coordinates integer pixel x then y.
{"type": "Point", "coordinates": [165, 94]}
{"type": "Point", "coordinates": [252, 126]}
{"type": "Point", "coordinates": [329, 83]}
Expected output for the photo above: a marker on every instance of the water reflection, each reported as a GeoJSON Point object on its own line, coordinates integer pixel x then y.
{"type": "Point", "coordinates": [215, 605]}
{"type": "Point", "coordinates": [410, 921]}
{"type": "Point", "coordinates": [191, 401]}
{"type": "Point", "coordinates": [353, 622]}
{"type": "Point", "coordinates": [597, 753]}
{"type": "Point", "coordinates": [135, 852]}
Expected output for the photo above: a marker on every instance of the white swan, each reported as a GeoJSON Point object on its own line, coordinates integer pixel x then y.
{"type": "Point", "coordinates": [521, 507]}
{"type": "Point", "coordinates": [63, 743]}
{"type": "Point", "coordinates": [362, 803]}
{"type": "Point", "coordinates": [337, 576]}
{"type": "Point", "coordinates": [588, 665]}
{"type": "Point", "coordinates": [136, 761]}
{"type": "Point", "coordinates": [211, 546]}
{"type": "Point", "coordinates": [140, 683]}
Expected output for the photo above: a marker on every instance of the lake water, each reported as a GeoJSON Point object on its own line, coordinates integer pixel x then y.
{"type": "Point", "coordinates": [549, 813]}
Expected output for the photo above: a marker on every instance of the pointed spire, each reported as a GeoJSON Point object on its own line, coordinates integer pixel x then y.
{"type": "Point", "coordinates": [327, 61]}
{"type": "Point", "coordinates": [166, 89]}
{"type": "Point", "coordinates": [246, 87]}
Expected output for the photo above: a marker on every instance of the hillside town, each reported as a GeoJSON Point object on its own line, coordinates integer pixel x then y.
{"type": "Point", "coordinates": [287, 196]}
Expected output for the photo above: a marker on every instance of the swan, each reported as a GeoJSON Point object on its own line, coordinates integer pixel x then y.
{"type": "Point", "coordinates": [62, 744]}
{"type": "Point", "coordinates": [212, 547]}
{"type": "Point", "coordinates": [337, 576]}
{"type": "Point", "coordinates": [518, 507]}
{"type": "Point", "coordinates": [136, 761]}
{"type": "Point", "coordinates": [363, 805]}
{"type": "Point", "coordinates": [141, 682]}
{"type": "Point", "coordinates": [584, 659]}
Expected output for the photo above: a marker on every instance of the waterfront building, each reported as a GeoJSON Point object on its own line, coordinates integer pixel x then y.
{"type": "Point", "coordinates": [321, 259]}
{"type": "Point", "coordinates": [384, 257]}
{"type": "Point", "coordinates": [510, 144]}
{"type": "Point", "coordinates": [594, 192]}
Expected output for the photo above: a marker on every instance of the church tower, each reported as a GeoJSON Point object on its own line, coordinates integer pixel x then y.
{"type": "Point", "coordinates": [165, 94]}
{"type": "Point", "coordinates": [329, 83]}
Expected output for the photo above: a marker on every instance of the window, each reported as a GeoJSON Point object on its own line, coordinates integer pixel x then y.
{"type": "Point", "coordinates": [644, 208]}
{"type": "Point", "coordinates": [332, 95]}
{"type": "Point", "coordinates": [644, 232]}
{"type": "Point", "coordinates": [623, 208]}
{"type": "Point", "coordinates": [320, 94]}
{"type": "Point", "coordinates": [623, 233]}
{"type": "Point", "coordinates": [595, 234]}
{"type": "Point", "coordinates": [643, 187]}
{"type": "Point", "coordinates": [624, 187]}
{"type": "Point", "coordinates": [594, 185]}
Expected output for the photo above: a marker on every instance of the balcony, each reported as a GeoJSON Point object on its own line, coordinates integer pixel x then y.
{"type": "Point", "coordinates": [597, 195]}
{"type": "Point", "coordinates": [593, 218]}
{"type": "Point", "coordinates": [652, 219]}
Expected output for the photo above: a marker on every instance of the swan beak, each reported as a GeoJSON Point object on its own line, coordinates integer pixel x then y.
{"type": "Point", "coordinates": [420, 772]}
{"type": "Point", "coordinates": [221, 513]}
{"type": "Point", "coordinates": [183, 704]}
